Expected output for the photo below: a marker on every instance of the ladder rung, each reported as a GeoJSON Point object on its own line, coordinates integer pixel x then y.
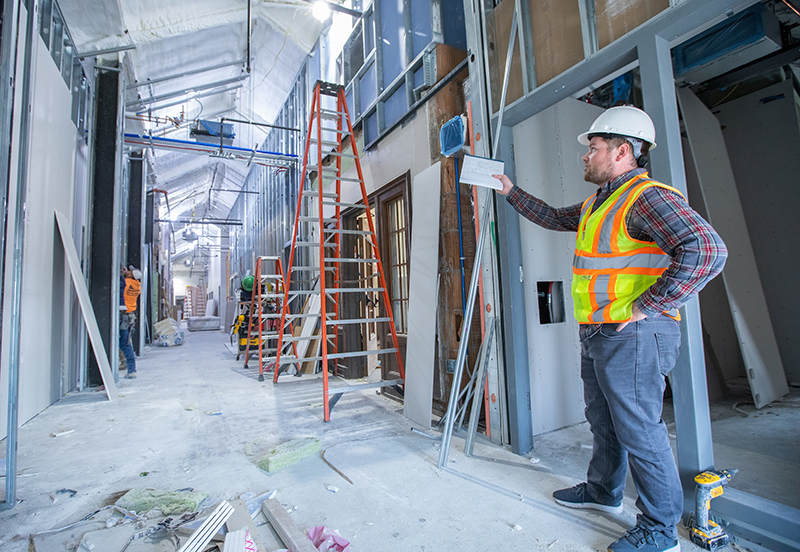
{"type": "Point", "coordinates": [330, 115]}
{"type": "Point", "coordinates": [313, 244]}
{"type": "Point", "coordinates": [341, 260]}
{"type": "Point", "coordinates": [324, 194]}
{"type": "Point", "coordinates": [359, 387]}
{"type": "Point", "coordinates": [339, 204]}
{"type": "Point", "coordinates": [300, 338]}
{"type": "Point", "coordinates": [311, 269]}
{"type": "Point", "coordinates": [340, 154]}
{"type": "Point", "coordinates": [343, 132]}
{"type": "Point", "coordinates": [356, 321]}
{"type": "Point", "coordinates": [327, 168]}
{"type": "Point", "coordinates": [334, 356]}
{"type": "Point", "coordinates": [269, 258]}
{"type": "Point", "coordinates": [330, 143]}
{"type": "Point", "coordinates": [271, 277]}
{"type": "Point", "coordinates": [351, 232]}
{"type": "Point", "coordinates": [316, 219]}
{"type": "Point", "coordinates": [334, 290]}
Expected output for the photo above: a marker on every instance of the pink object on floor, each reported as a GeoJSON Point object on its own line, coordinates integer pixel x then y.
{"type": "Point", "coordinates": [249, 545]}
{"type": "Point", "coordinates": [326, 540]}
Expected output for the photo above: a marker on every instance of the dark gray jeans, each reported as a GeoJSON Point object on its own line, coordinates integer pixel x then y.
{"type": "Point", "coordinates": [623, 386]}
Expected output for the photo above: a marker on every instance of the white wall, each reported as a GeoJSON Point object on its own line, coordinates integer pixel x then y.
{"type": "Point", "coordinates": [51, 174]}
{"type": "Point", "coordinates": [548, 165]}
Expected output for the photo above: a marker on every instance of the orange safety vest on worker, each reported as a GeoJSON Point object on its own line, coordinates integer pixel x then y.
{"type": "Point", "coordinates": [132, 290]}
{"type": "Point", "coordinates": [610, 269]}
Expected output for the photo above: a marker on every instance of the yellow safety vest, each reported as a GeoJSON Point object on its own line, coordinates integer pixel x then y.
{"type": "Point", "coordinates": [610, 269]}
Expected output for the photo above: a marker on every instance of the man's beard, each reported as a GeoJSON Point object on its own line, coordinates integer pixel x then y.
{"type": "Point", "coordinates": [597, 175]}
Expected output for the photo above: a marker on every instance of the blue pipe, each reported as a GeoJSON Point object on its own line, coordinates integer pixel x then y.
{"type": "Point", "coordinates": [461, 243]}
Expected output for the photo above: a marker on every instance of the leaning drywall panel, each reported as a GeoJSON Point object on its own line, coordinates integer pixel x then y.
{"type": "Point", "coordinates": [617, 17]}
{"type": "Point", "coordinates": [422, 299]}
{"type": "Point", "coordinates": [741, 275]}
{"type": "Point", "coordinates": [548, 166]}
{"type": "Point", "coordinates": [50, 186]}
{"type": "Point", "coordinates": [764, 126]}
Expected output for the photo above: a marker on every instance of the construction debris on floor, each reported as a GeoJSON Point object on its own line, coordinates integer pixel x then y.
{"type": "Point", "coordinates": [152, 520]}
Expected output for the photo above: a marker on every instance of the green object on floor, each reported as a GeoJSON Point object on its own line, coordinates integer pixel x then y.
{"type": "Point", "coordinates": [169, 502]}
{"type": "Point", "coordinates": [288, 453]}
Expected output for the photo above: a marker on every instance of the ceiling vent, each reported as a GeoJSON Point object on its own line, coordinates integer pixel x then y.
{"type": "Point", "coordinates": [208, 132]}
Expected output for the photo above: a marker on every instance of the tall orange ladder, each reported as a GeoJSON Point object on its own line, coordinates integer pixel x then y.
{"type": "Point", "coordinates": [319, 212]}
{"type": "Point", "coordinates": [266, 305]}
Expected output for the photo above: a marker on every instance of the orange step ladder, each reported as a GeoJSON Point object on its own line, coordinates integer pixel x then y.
{"type": "Point", "coordinates": [266, 305]}
{"type": "Point", "coordinates": [318, 226]}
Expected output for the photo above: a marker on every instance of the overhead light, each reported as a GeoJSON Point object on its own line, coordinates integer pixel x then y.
{"type": "Point", "coordinates": [188, 262]}
{"type": "Point", "coordinates": [321, 10]}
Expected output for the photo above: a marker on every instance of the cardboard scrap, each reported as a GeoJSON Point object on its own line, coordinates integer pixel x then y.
{"type": "Point", "coordinates": [288, 453]}
{"type": "Point", "coordinates": [169, 502]}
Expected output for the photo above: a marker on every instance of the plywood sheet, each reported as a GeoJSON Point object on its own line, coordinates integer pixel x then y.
{"type": "Point", "coordinates": [422, 300]}
{"type": "Point", "coordinates": [742, 281]}
{"type": "Point", "coordinates": [498, 26]}
{"type": "Point", "coordinates": [618, 17]}
{"type": "Point", "coordinates": [557, 37]}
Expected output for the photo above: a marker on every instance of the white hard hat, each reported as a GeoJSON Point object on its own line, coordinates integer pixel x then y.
{"type": "Point", "coordinates": [624, 120]}
{"type": "Point", "coordinates": [137, 274]}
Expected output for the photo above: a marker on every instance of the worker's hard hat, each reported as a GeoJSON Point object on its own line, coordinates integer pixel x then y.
{"type": "Point", "coordinates": [625, 121]}
{"type": "Point", "coordinates": [137, 274]}
{"type": "Point", "coordinates": [247, 283]}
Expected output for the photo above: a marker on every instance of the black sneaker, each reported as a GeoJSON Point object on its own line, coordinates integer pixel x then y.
{"type": "Point", "coordinates": [130, 375]}
{"type": "Point", "coordinates": [579, 497]}
{"type": "Point", "coordinates": [642, 539]}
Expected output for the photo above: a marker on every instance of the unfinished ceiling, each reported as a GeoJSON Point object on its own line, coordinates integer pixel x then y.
{"type": "Point", "coordinates": [184, 38]}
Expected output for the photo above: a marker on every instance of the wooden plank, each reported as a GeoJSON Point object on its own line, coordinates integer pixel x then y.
{"type": "Point", "coordinates": [293, 538]}
{"type": "Point", "coordinates": [762, 359]}
{"type": "Point", "coordinates": [422, 299]}
{"type": "Point", "coordinates": [241, 519]}
{"type": "Point", "coordinates": [86, 306]}
{"type": "Point", "coordinates": [557, 38]}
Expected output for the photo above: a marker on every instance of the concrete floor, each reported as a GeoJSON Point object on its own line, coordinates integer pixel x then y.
{"type": "Point", "coordinates": [161, 433]}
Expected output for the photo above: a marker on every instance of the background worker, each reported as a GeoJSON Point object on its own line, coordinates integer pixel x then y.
{"type": "Point", "coordinates": [130, 287]}
{"type": "Point", "coordinates": [641, 253]}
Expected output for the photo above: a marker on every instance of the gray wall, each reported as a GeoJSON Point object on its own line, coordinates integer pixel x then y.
{"type": "Point", "coordinates": [547, 156]}
{"type": "Point", "coordinates": [43, 344]}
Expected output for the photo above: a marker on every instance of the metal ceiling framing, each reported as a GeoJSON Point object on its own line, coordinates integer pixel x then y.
{"type": "Point", "coordinates": [756, 519]}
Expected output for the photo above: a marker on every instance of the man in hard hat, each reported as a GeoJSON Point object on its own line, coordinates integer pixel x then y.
{"type": "Point", "coordinates": [130, 287]}
{"type": "Point", "coordinates": [641, 253]}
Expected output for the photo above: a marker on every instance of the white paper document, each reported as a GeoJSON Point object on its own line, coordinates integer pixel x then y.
{"type": "Point", "coordinates": [478, 171]}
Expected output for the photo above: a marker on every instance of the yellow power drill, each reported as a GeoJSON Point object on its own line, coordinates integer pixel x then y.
{"type": "Point", "coordinates": [704, 531]}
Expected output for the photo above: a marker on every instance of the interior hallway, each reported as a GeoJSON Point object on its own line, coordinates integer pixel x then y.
{"type": "Point", "coordinates": [162, 433]}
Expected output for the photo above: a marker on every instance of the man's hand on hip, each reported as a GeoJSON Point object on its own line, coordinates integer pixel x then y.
{"type": "Point", "coordinates": [636, 315]}
{"type": "Point", "coordinates": [507, 184]}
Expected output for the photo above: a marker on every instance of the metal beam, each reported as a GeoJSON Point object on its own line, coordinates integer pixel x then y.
{"type": "Point", "coordinates": [767, 63]}
{"type": "Point", "coordinates": [94, 53]}
{"type": "Point", "coordinates": [185, 91]}
{"type": "Point", "coordinates": [197, 97]}
{"type": "Point", "coordinates": [185, 74]}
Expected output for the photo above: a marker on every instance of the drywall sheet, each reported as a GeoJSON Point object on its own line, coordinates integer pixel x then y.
{"type": "Point", "coordinates": [498, 27]}
{"type": "Point", "coordinates": [548, 165]}
{"type": "Point", "coordinates": [557, 37]}
{"type": "Point", "coordinates": [422, 299]}
{"type": "Point", "coordinates": [742, 281]}
{"type": "Point", "coordinates": [86, 306]}
{"type": "Point", "coordinates": [618, 17]}
{"type": "Point", "coordinates": [764, 126]}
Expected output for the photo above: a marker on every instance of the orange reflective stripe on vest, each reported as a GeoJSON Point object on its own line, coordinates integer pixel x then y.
{"type": "Point", "coordinates": [611, 269]}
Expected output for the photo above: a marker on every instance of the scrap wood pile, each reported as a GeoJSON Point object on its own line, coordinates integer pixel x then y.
{"type": "Point", "coordinates": [147, 520]}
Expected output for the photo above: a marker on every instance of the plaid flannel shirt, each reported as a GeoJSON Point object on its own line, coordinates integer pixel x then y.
{"type": "Point", "coordinates": [660, 215]}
